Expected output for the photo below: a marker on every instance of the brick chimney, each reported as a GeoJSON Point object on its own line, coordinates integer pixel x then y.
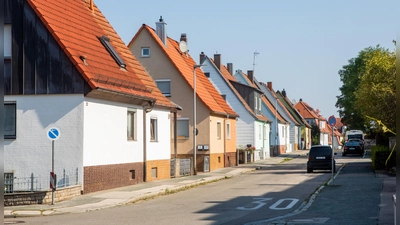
{"type": "Point", "coordinates": [217, 60]}
{"type": "Point", "coordinates": [230, 68]}
{"type": "Point", "coordinates": [250, 75]}
{"type": "Point", "coordinates": [202, 56]}
{"type": "Point", "coordinates": [161, 30]}
{"type": "Point", "coordinates": [269, 85]}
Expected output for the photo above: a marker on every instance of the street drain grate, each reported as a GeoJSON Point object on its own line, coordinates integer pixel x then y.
{"type": "Point", "coordinates": [14, 222]}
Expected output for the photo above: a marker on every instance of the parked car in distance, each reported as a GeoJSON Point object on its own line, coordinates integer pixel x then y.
{"type": "Point", "coordinates": [355, 134]}
{"type": "Point", "coordinates": [353, 146]}
{"type": "Point", "coordinates": [320, 158]}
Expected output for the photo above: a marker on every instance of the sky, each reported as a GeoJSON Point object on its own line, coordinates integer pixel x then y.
{"type": "Point", "coordinates": [301, 45]}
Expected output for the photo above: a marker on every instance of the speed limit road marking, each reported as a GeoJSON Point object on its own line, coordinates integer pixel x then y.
{"type": "Point", "coordinates": [260, 202]}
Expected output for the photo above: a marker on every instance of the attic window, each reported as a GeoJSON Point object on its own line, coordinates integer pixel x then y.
{"type": "Point", "coordinates": [106, 42]}
{"type": "Point", "coordinates": [207, 74]}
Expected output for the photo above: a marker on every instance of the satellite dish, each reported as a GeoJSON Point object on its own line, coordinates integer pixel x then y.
{"type": "Point", "coordinates": [183, 46]}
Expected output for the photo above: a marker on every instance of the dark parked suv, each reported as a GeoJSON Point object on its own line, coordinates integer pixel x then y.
{"type": "Point", "coordinates": [320, 158]}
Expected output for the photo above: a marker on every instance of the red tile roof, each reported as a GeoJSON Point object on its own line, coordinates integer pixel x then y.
{"type": "Point", "coordinates": [227, 77]}
{"type": "Point", "coordinates": [184, 63]}
{"type": "Point", "coordinates": [77, 30]}
{"type": "Point", "coordinates": [305, 110]}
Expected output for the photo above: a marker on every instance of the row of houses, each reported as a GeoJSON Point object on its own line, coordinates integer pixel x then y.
{"type": "Point", "coordinates": [124, 111]}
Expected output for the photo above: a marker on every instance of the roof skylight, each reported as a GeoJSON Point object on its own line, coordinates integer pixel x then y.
{"type": "Point", "coordinates": [106, 42]}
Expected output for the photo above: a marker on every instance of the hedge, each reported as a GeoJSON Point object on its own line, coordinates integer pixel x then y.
{"type": "Point", "coordinates": [379, 155]}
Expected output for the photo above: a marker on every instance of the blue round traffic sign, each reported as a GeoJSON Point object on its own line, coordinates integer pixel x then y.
{"type": "Point", "coordinates": [53, 133]}
{"type": "Point", "coordinates": [332, 121]}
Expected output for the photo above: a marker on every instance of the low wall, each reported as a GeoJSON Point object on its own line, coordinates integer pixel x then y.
{"type": "Point", "coordinates": [41, 197]}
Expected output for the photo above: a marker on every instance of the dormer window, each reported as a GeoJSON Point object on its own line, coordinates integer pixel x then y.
{"type": "Point", "coordinates": [145, 52]}
{"type": "Point", "coordinates": [106, 42]}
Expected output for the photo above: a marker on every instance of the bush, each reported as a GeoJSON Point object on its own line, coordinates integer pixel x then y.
{"type": "Point", "coordinates": [379, 155]}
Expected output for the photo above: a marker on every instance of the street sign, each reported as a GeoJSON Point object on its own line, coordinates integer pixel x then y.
{"type": "Point", "coordinates": [332, 121]}
{"type": "Point", "coordinates": [53, 133]}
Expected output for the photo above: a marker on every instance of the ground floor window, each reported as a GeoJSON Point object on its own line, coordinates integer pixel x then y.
{"type": "Point", "coordinates": [10, 120]}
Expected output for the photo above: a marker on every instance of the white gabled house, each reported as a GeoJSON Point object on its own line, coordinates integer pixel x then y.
{"type": "Point", "coordinates": [80, 78]}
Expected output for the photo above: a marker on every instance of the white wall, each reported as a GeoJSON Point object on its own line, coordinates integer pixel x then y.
{"type": "Point", "coordinates": [105, 134]}
{"type": "Point", "coordinates": [105, 137]}
{"type": "Point", "coordinates": [161, 149]}
{"type": "Point", "coordinates": [31, 151]}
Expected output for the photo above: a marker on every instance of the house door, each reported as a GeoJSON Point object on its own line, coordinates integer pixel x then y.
{"type": "Point", "coordinates": [206, 163]}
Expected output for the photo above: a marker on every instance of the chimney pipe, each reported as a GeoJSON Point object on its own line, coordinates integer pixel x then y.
{"type": "Point", "coordinates": [202, 56]}
{"type": "Point", "coordinates": [183, 37]}
{"type": "Point", "coordinates": [230, 68]}
{"type": "Point", "coordinates": [269, 85]}
{"type": "Point", "coordinates": [250, 75]}
{"type": "Point", "coordinates": [284, 93]}
{"type": "Point", "coordinates": [161, 30]}
{"type": "Point", "coordinates": [217, 60]}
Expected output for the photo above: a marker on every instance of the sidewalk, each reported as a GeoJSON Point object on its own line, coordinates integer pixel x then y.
{"type": "Point", "coordinates": [385, 187]}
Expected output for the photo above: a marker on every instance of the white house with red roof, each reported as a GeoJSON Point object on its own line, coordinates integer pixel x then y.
{"type": "Point", "coordinates": [66, 68]}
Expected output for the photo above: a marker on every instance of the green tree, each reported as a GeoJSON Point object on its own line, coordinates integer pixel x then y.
{"type": "Point", "coordinates": [315, 134]}
{"type": "Point", "coordinates": [350, 77]}
{"type": "Point", "coordinates": [376, 95]}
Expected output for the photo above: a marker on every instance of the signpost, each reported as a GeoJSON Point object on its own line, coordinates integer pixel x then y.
{"type": "Point", "coordinates": [53, 134]}
{"type": "Point", "coordinates": [332, 122]}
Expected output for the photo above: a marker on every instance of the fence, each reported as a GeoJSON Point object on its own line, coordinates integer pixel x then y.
{"type": "Point", "coordinates": [36, 183]}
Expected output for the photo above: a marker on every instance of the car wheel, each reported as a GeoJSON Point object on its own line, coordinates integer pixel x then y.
{"type": "Point", "coordinates": [343, 154]}
{"type": "Point", "coordinates": [309, 170]}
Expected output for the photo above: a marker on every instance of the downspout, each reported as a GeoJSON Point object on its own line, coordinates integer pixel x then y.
{"type": "Point", "coordinates": [264, 138]}
{"type": "Point", "coordinates": [146, 109]}
{"type": "Point", "coordinates": [225, 122]}
{"type": "Point", "coordinates": [175, 135]}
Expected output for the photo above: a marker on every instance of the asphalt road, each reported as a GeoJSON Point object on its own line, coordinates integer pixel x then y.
{"type": "Point", "coordinates": [263, 194]}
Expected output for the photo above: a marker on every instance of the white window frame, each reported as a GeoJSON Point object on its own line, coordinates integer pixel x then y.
{"type": "Point", "coordinates": [265, 132]}
{"type": "Point", "coordinates": [228, 130]}
{"type": "Point", "coordinates": [167, 94]}
{"type": "Point", "coordinates": [143, 55]}
{"type": "Point", "coordinates": [259, 103]}
{"type": "Point", "coordinates": [131, 122]}
{"type": "Point", "coordinates": [179, 131]}
{"type": "Point", "coordinates": [153, 129]}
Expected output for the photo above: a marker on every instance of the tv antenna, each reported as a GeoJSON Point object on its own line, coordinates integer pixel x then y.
{"type": "Point", "coordinates": [254, 59]}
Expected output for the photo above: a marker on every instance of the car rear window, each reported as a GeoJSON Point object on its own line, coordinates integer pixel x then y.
{"type": "Point", "coordinates": [354, 136]}
{"type": "Point", "coordinates": [320, 151]}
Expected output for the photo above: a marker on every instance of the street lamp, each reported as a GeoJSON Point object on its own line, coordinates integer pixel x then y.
{"type": "Point", "coordinates": [194, 118]}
